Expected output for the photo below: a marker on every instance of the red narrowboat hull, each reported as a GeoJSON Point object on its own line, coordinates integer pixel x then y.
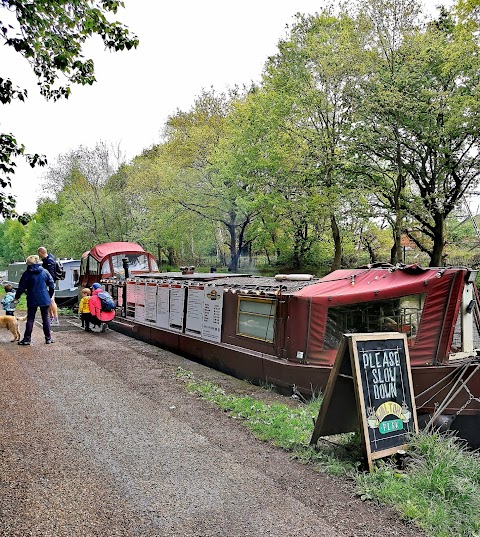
{"type": "Point", "coordinates": [432, 384]}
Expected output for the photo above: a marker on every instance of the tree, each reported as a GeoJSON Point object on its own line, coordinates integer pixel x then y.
{"type": "Point", "coordinates": [257, 149]}
{"type": "Point", "coordinates": [388, 23]}
{"type": "Point", "coordinates": [44, 227]}
{"type": "Point", "coordinates": [86, 189]}
{"type": "Point", "coordinates": [13, 233]}
{"type": "Point", "coordinates": [50, 35]}
{"type": "Point", "coordinates": [425, 128]}
{"type": "Point", "coordinates": [314, 76]}
{"type": "Point", "coordinates": [160, 223]}
{"type": "Point", "coordinates": [193, 179]}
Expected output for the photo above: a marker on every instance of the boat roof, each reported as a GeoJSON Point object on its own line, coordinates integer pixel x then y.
{"type": "Point", "coordinates": [63, 260]}
{"type": "Point", "coordinates": [230, 280]}
{"type": "Point", "coordinates": [348, 286]}
{"type": "Point", "coordinates": [100, 251]}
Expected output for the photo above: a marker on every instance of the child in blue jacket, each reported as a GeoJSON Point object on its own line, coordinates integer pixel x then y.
{"type": "Point", "coordinates": [8, 300]}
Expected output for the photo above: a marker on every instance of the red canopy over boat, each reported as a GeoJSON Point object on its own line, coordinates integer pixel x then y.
{"type": "Point", "coordinates": [100, 251]}
{"type": "Point", "coordinates": [106, 261]}
{"type": "Point", "coordinates": [439, 290]}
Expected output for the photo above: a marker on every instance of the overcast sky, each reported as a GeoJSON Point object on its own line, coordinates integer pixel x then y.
{"type": "Point", "coordinates": [184, 46]}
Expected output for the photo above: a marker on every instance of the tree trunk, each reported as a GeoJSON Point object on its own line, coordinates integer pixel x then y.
{"type": "Point", "coordinates": [337, 257]}
{"type": "Point", "coordinates": [268, 256]}
{"type": "Point", "coordinates": [159, 260]}
{"type": "Point", "coordinates": [296, 255]}
{"type": "Point", "coordinates": [436, 257]}
{"type": "Point", "coordinates": [396, 250]}
{"type": "Point", "coordinates": [371, 251]}
{"type": "Point", "coordinates": [171, 257]}
{"type": "Point", "coordinates": [192, 249]}
{"type": "Point", "coordinates": [234, 253]}
{"type": "Point", "coordinates": [297, 247]}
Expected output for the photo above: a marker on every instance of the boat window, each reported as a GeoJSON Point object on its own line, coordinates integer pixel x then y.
{"type": "Point", "coordinates": [393, 315]}
{"type": "Point", "coordinates": [457, 339]}
{"type": "Point", "coordinates": [83, 265]}
{"type": "Point", "coordinates": [153, 265]}
{"type": "Point", "coordinates": [256, 318]}
{"type": "Point", "coordinates": [106, 267]}
{"type": "Point", "coordinates": [136, 263]}
{"type": "Point", "coordinates": [93, 265]}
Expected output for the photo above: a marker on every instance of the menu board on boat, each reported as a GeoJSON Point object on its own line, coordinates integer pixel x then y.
{"type": "Point", "coordinates": [120, 296]}
{"type": "Point", "coordinates": [139, 313]}
{"type": "Point", "coordinates": [151, 302]}
{"type": "Point", "coordinates": [194, 315]}
{"type": "Point", "coordinates": [177, 305]}
{"type": "Point", "coordinates": [140, 301]}
{"type": "Point", "coordinates": [212, 313]}
{"type": "Point", "coordinates": [163, 305]}
{"type": "Point", "coordinates": [131, 292]}
{"type": "Point", "coordinates": [140, 293]}
{"type": "Point", "coordinates": [370, 387]}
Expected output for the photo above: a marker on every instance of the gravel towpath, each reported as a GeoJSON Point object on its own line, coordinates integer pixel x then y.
{"type": "Point", "coordinates": [99, 438]}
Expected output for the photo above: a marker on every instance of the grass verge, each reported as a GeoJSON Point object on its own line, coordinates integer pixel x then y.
{"type": "Point", "coordinates": [439, 489]}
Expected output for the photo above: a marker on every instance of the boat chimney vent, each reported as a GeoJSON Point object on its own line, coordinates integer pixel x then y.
{"type": "Point", "coordinates": [125, 263]}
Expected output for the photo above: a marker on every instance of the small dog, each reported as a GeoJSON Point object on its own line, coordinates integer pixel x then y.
{"type": "Point", "coordinates": [10, 322]}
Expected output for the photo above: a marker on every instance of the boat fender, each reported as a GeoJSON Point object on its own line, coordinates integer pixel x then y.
{"type": "Point", "coordinates": [294, 277]}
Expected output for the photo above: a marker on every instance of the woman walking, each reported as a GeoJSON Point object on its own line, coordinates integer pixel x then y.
{"type": "Point", "coordinates": [38, 284]}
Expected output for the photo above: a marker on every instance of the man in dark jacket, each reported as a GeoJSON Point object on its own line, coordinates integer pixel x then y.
{"type": "Point", "coordinates": [38, 284]}
{"type": "Point", "coordinates": [48, 263]}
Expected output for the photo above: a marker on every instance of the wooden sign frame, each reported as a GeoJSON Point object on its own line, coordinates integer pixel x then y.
{"type": "Point", "coordinates": [363, 391]}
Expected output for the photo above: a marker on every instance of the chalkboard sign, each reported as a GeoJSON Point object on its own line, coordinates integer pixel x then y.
{"type": "Point", "coordinates": [370, 387]}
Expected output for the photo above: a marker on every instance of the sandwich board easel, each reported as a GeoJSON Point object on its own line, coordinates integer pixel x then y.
{"type": "Point", "coordinates": [370, 388]}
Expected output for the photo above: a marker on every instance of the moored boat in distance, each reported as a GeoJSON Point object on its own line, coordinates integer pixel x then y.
{"type": "Point", "coordinates": [286, 330]}
{"type": "Point", "coordinates": [66, 290]}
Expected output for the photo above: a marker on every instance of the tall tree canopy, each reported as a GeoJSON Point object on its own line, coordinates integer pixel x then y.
{"type": "Point", "coordinates": [197, 183]}
{"type": "Point", "coordinates": [365, 127]}
{"type": "Point", "coordinates": [419, 128]}
{"type": "Point", "coordinates": [87, 189]}
{"type": "Point", "coordinates": [50, 35]}
{"type": "Point", "coordinates": [314, 77]}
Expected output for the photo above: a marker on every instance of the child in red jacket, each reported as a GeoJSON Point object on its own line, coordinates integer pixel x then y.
{"type": "Point", "coordinates": [99, 317]}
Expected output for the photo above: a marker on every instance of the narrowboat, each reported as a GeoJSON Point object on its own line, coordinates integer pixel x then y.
{"type": "Point", "coordinates": [285, 331]}
{"type": "Point", "coordinates": [65, 290]}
